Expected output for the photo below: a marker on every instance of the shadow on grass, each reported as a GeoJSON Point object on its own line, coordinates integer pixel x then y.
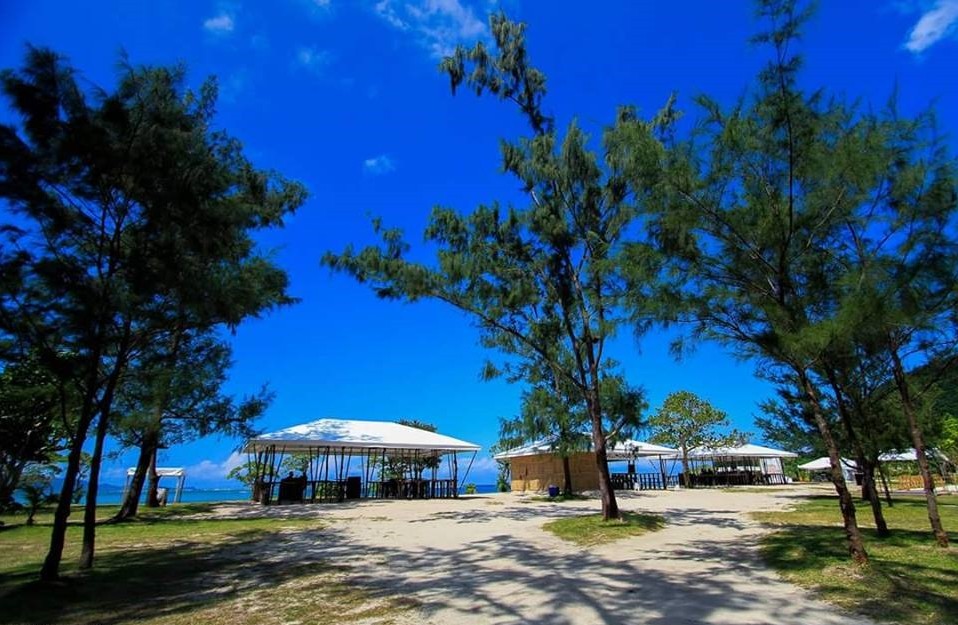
{"type": "Point", "coordinates": [150, 582]}
{"type": "Point", "coordinates": [908, 579]}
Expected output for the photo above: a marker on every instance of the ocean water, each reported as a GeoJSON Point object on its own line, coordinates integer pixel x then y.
{"type": "Point", "coordinates": [203, 495]}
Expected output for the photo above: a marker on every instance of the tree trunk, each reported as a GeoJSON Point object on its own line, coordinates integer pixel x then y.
{"type": "Point", "coordinates": [884, 483]}
{"type": "Point", "coordinates": [686, 476]}
{"type": "Point", "coordinates": [870, 492]}
{"type": "Point", "coordinates": [51, 564]}
{"type": "Point", "coordinates": [856, 548]}
{"type": "Point", "coordinates": [918, 440]}
{"type": "Point", "coordinates": [610, 507]}
{"type": "Point", "coordinates": [152, 497]}
{"type": "Point", "coordinates": [93, 487]}
{"type": "Point", "coordinates": [567, 477]}
{"type": "Point", "coordinates": [131, 502]}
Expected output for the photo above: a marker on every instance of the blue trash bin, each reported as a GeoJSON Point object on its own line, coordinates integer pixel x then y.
{"type": "Point", "coordinates": [553, 491]}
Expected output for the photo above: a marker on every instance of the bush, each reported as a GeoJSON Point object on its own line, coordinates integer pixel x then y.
{"type": "Point", "coordinates": [471, 489]}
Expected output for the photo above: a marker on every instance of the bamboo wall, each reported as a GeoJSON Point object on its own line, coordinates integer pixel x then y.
{"type": "Point", "coordinates": [536, 473]}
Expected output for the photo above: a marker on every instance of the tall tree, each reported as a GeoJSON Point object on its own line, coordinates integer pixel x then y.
{"type": "Point", "coordinates": [685, 421]}
{"type": "Point", "coordinates": [132, 211]}
{"type": "Point", "coordinates": [905, 264]}
{"type": "Point", "coordinates": [175, 396]}
{"type": "Point", "coordinates": [749, 210]}
{"type": "Point", "coordinates": [540, 281]}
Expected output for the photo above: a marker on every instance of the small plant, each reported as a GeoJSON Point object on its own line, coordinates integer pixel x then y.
{"type": "Point", "coordinates": [36, 486]}
{"type": "Point", "coordinates": [471, 489]}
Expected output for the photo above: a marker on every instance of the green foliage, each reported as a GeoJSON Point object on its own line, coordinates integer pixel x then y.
{"type": "Point", "coordinates": [31, 426]}
{"type": "Point", "coordinates": [406, 465]}
{"type": "Point", "coordinates": [503, 477]}
{"type": "Point", "coordinates": [808, 234]}
{"type": "Point", "coordinates": [542, 281]}
{"type": "Point", "coordinates": [134, 219]}
{"type": "Point", "coordinates": [36, 486]}
{"type": "Point", "coordinates": [471, 489]}
{"type": "Point", "coordinates": [246, 472]}
{"type": "Point", "coordinates": [684, 420]}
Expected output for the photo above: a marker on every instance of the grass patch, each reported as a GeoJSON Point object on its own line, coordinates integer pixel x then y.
{"type": "Point", "coordinates": [758, 489]}
{"type": "Point", "coordinates": [590, 529]}
{"type": "Point", "coordinates": [559, 498]}
{"type": "Point", "coordinates": [909, 579]}
{"type": "Point", "coordinates": [163, 568]}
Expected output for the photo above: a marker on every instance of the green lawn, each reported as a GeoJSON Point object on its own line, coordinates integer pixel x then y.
{"type": "Point", "coordinates": [164, 568]}
{"type": "Point", "coordinates": [590, 529]}
{"type": "Point", "coordinates": [557, 499]}
{"type": "Point", "coordinates": [908, 580]}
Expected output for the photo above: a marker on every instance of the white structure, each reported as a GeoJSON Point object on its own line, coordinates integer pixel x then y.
{"type": "Point", "coordinates": [824, 465]}
{"type": "Point", "coordinates": [328, 447]}
{"type": "Point", "coordinates": [623, 450]}
{"type": "Point", "coordinates": [744, 459]}
{"type": "Point", "coordinates": [178, 472]}
{"type": "Point", "coordinates": [910, 455]}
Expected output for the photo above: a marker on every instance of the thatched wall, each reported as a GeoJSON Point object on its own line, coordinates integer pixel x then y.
{"type": "Point", "coordinates": [536, 473]}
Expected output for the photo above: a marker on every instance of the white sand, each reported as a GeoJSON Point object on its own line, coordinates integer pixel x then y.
{"type": "Point", "coordinates": [485, 559]}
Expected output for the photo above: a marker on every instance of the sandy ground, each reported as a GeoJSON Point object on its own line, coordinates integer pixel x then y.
{"type": "Point", "coordinates": [485, 559]}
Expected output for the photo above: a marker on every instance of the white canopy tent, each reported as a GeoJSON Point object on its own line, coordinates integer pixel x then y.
{"type": "Point", "coordinates": [740, 464]}
{"type": "Point", "coordinates": [823, 464]}
{"type": "Point", "coordinates": [178, 472]}
{"type": "Point", "coordinates": [910, 455]}
{"type": "Point", "coordinates": [747, 450]}
{"type": "Point", "coordinates": [328, 447]}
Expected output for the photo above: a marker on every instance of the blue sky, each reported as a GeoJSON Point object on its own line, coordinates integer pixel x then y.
{"type": "Point", "coordinates": [345, 97]}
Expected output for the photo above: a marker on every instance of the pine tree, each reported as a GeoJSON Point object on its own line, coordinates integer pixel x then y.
{"type": "Point", "coordinates": [541, 281]}
{"type": "Point", "coordinates": [131, 212]}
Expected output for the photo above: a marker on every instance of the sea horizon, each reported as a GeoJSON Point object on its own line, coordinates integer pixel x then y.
{"type": "Point", "coordinates": [110, 495]}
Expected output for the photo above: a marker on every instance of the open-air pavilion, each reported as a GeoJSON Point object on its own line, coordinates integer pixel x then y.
{"type": "Point", "coordinates": [737, 465]}
{"type": "Point", "coordinates": [175, 472]}
{"type": "Point", "coordinates": [350, 459]}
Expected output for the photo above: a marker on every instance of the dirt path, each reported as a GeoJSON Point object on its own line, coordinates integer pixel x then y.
{"type": "Point", "coordinates": [485, 559]}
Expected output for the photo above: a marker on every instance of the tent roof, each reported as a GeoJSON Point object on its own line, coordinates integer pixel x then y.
{"type": "Point", "coordinates": [355, 434]}
{"type": "Point", "coordinates": [163, 471]}
{"type": "Point", "coordinates": [910, 455]}
{"type": "Point", "coordinates": [740, 451]}
{"type": "Point", "coordinates": [636, 449]}
{"type": "Point", "coordinates": [623, 450]}
{"type": "Point", "coordinates": [824, 464]}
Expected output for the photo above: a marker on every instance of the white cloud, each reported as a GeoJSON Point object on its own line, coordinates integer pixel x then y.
{"type": "Point", "coordinates": [379, 165]}
{"type": "Point", "coordinates": [209, 471]}
{"type": "Point", "coordinates": [483, 471]}
{"type": "Point", "coordinates": [438, 25]}
{"type": "Point", "coordinates": [221, 24]}
{"type": "Point", "coordinates": [313, 59]}
{"type": "Point", "coordinates": [937, 22]}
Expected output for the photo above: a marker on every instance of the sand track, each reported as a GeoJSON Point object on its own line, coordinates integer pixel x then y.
{"type": "Point", "coordinates": [485, 559]}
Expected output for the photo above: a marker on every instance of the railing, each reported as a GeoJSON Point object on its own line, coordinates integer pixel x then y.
{"type": "Point", "coordinates": [411, 489]}
{"type": "Point", "coordinates": [735, 478]}
{"type": "Point", "coordinates": [642, 481]}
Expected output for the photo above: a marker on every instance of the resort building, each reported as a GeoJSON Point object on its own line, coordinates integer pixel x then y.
{"type": "Point", "coordinates": [637, 465]}
{"type": "Point", "coordinates": [642, 465]}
